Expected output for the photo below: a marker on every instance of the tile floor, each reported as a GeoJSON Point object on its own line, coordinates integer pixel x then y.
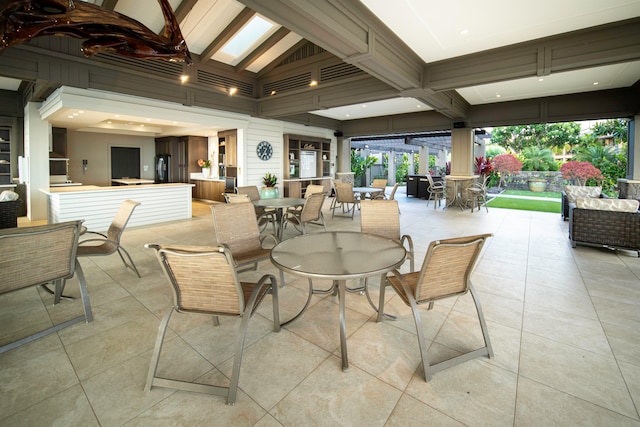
{"type": "Point", "coordinates": [564, 325]}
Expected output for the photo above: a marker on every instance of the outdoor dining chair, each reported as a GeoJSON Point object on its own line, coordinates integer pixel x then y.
{"type": "Point", "coordinates": [446, 272]}
{"type": "Point", "coordinates": [265, 216]}
{"type": "Point", "coordinates": [437, 191]}
{"type": "Point", "coordinates": [382, 185]}
{"type": "Point", "coordinates": [108, 244]}
{"type": "Point", "coordinates": [204, 280]}
{"type": "Point", "coordinates": [311, 213]}
{"type": "Point", "coordinates": [236, 225]}
{"type": "Point", "coordinates": [477, 194]}
{"type": "Point", "coordinates": [345, 199]}
{"type": "Point", "coordinates": [33, 256]}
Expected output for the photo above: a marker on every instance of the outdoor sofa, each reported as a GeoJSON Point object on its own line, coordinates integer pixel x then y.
{"type": "Point", "coordinates": [611, 223]}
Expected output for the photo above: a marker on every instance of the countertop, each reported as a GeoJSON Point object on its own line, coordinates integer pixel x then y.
{"type": "Point", "coordinates": [81, 188]}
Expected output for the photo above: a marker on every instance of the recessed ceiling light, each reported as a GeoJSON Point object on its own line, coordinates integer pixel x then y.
{"type": "Point", "coordinates": [596, 83]}
{"type": "Point", "coordinates": [148, 120]}
{"type": "Point", "coordinates": [184, 78]}
{"type": "Point", "coordinates": [109, 121]}
{"type": "Point", "coordinates": [347, 115]}
{"type": "Point", "coordinates": [313, 83]}
{"type": "Point", "coordinates": [464, 32]}
{"type": "Point", "coordinates": [364, 105]}
{"type": "Point", "coordinates": [117, 115]}
{"type": "Point", "coordinates": [497, 95]}
{"type": "Point", "coordinates": [142, 125]}
{"type": "Point", "coordinates": [70, 116]}
{"type": "Point", "coordinates": [233, 90]}
{"type": "Point", "coordinates": [81, 112]}
{"type": "Point", "coordinates": [419, 106]}
{"type": "Point", "coordinates": [175, 123]}
{"type": "Point", "coordinates": [273, 92]}
{"type": "Point", "coordinates": [540, 79]}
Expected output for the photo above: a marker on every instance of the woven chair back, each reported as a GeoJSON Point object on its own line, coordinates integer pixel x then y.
{"type": "Point", "coordinates": [204, 279]}
{"type": "Point", "coordinates": [251, 191]}
{"type": "Point", "coordinates": [236, 226]}
{"type": "Point", "coordinates": [120, 221]}
{"type": "Point", "coordinates": [447, 267]}
{"type": "Point", "coordinates": [312, 207]}
{"type": "Point", "coordinates": [380, 217]}
{"type": "Point", "coordinates": [392, 195]}
{"type": "Point", "coordinates": [313, 189]}
{"type": "Point", "coordinates": [344, 192]}
{"type": "Point", "coordinates": [236, 198]}
{"type": "Point", "coordinates": [37, 255]}
{"type": "Point", "coordinates": [379, 183]}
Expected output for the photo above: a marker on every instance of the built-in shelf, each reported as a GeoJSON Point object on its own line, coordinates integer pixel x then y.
{"type": "Point", "coordinates": [5, 155]}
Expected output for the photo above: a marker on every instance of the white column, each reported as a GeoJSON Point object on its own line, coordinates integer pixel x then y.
{"type": "Point", "coordinates": [424, 160]}
{"type": "Point", "coordinates": [633, 163]}
{"type": "Point", "coordinates": [37, 134]}
{"type": "Point", "coordinates": [462, 152]}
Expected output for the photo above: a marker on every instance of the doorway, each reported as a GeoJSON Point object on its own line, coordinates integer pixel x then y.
{"type": "Point", "coordinates": [125, 162]}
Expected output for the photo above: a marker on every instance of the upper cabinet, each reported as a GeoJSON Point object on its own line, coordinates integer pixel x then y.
{"type": "Point", "coordinates": [302, 151]}
{"type": "Point", "coordinates": [5, 155]}
{"type": "Point", "coordinates": [227, 148]}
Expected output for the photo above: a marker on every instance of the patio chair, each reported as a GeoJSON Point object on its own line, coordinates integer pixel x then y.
{"type": "Point", "coordinates": [437, 191]}
{"type": "Point", "coordinates": [33, 256]}
{"type": "Point", "coordinates": [311, 213]}
{"type": "Point", "coordinates": [446, 272]}
{"type": "Point", "coordinates": [108, 244]}
{"type": "Point", "coordinates": [382, 184]}
{"type": "Point", "coordinates": [345, 199]}
{"type": "Point", "coordinates": [477, 194]}
{"type": "Point", "coordinates": [265, 216]}
{"type": "Point", "coordinates": [204, 280]}
{"type": "Point", "coordinates": [236, 226]}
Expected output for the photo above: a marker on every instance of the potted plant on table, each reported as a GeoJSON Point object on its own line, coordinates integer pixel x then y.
{"type": "Point", "coordinates": [269, 191]}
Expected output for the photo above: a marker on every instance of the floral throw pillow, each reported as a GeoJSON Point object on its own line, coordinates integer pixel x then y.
{"type": "Point", "coordinates": [616, 205]}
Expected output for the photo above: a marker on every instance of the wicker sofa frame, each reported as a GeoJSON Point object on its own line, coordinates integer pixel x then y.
{"type": "Point", "coordinates": [614, 230]}
{"type": "Point", "coordinates": [9, 214]}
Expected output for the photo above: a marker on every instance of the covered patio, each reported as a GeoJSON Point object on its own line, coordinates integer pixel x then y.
{"type": "Point", "coordinates": [563, 323]}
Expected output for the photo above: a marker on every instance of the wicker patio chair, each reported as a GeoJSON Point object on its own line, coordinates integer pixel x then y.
{"type": "Point", "coordinates": [436, 190]}
{"type": "Point", "coordinates": [204, 280]}
{"type": "Point", "coordinates": [311, 213]}
{"type": "Point", "coordinates": [108, 244]}
{"type": "Point", "coordinates": [446, 272]}
{"type": "Point", "coordinates": [32, 256]}
{"type": "Point", "coordinates": [345, 199]}
{"type": "Point", "coordinates": [9, 213]}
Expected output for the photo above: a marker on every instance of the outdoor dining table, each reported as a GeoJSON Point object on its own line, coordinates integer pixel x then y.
{"type": "Point", "coordinates": [363, 191]}
{"type": "Point", "coordinates": [338, 256]}
{"type": "Point", "coordinates": [457, 198]}
{"type": "Point", "coordinates": [279, 204]}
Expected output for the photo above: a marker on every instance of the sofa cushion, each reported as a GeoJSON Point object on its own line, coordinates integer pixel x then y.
{"type": "Point", "coordinates": [575, 192]}
{"type": "Point", "coordinates": [616, 205]}
{"type": "Point", "coordinates": [8, 196]}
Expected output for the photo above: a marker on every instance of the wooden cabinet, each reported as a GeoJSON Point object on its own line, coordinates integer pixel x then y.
{"type": "Point", "coordinates": [293, 146]}
{"type": "Point", "coordinates": [185, 152]}
{"type": "Point", "coordinates": [227, 148]}
{"type": "Point", "coordinates": [418, 185]}
{"type": "Point", "coordinates": [5, 155]}
{"type": "Point", "coordinates": [297, 187]}
{"type": "Point", "coordinates": [208, 190]}
{"type": "Point", "coordinates": [59, 141]}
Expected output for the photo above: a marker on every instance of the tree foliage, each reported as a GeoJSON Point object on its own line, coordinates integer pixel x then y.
{"type": "Point", "coordinates": [505, 165]}
{"type": "Point", "coordinates": [538, 159]}
{"type": "Point", "coordinates": [580, 172]}
{"type": "Point", "coordinates": [548, 135]}
{"type": "Point", "coordinates": [359, 164]}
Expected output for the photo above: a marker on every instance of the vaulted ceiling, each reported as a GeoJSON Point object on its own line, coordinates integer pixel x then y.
{"type": "Point", "coordinates": [382, 65]}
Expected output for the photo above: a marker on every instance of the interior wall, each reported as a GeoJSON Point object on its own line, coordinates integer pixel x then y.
{"type": "Point", "coordinates": [96, 149]}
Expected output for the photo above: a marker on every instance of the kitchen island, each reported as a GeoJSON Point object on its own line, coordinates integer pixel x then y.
{"type": "Point", "coordinates": [97, 206]}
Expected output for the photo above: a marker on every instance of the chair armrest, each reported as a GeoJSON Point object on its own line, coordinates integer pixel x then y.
{"type": "Point", "coordinates": [265, 236]}
{"type": "Point", "coordinates": [406, 239]}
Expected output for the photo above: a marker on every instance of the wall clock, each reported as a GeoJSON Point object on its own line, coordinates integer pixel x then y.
{"type": "Point", "coordinates": [264, 150]}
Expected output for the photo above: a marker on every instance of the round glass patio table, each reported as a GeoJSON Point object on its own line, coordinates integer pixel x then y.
{"type": "Point", "coordinates": [279, 204]}
{"type": "Point", "coordinates": [338, 256]}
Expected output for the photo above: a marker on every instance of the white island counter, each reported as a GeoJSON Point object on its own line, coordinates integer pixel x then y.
{"type": "Point", "coordinates": [97, 206]}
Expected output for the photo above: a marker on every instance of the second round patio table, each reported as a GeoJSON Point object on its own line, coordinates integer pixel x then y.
{"type": "Point", "coordinates": [279, 204]}
{"type": "Point", "coordinates": [338, 256]}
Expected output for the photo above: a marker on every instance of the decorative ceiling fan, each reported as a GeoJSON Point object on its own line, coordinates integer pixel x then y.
{"type": "Point", "coordinates": [104, 30]}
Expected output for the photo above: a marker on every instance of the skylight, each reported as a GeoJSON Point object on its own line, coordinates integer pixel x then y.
{"type": "Point", "coordinates": [255, 29]}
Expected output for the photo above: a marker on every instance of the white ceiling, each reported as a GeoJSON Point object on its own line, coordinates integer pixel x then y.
{"type": "Point", "coordinates": [434, 32]}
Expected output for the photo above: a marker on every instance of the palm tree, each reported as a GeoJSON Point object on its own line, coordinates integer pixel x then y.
{"type": "Point", "coordinates": [538, 159]}
{"type": "Point", "coordinates": [596, 154]}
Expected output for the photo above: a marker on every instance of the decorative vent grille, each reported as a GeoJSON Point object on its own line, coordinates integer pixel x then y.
{"type": "Point", "coordinates": [290, 83]}
{"type": "Point", "coordinates": [306, 51]}
{"type": "Point", "coordinates": [339, 71]}
{"type": "Point", "coordinates": [164, 68]}
{"type": "Point", "coordinates": [224, 83]}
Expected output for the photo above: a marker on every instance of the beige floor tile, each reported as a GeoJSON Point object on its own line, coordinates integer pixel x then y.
{"type": "Point", "coordinates": [67, 408]}
{"type": "Point", "coordinates": [337, 398]}
{"type": "Point", "coordinates": [566, 328]}
{"type": "Point", "coordinates": [624, 341]}
{"type": "Point", "coordinates": [587, 375]}
{"type": "Point", "coordinates": [576, 303]}
{"type": "Point", "coordinates": [473, 393]}
{"type": "Point", "coordinates": [631, 375]}
{"type": "Point", "coordinates": [538, 404]}
{"type": "Point", "coordinates": [411, 412]}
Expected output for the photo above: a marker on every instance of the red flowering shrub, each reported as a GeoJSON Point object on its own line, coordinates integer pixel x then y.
{"type": "Point", "coordinates": [505, 165]}
{"type": "Point", "coordinates": [580, 172]}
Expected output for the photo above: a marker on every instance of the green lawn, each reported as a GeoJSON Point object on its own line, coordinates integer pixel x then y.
{"type": "Point", "coordinates": [527, 204]}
